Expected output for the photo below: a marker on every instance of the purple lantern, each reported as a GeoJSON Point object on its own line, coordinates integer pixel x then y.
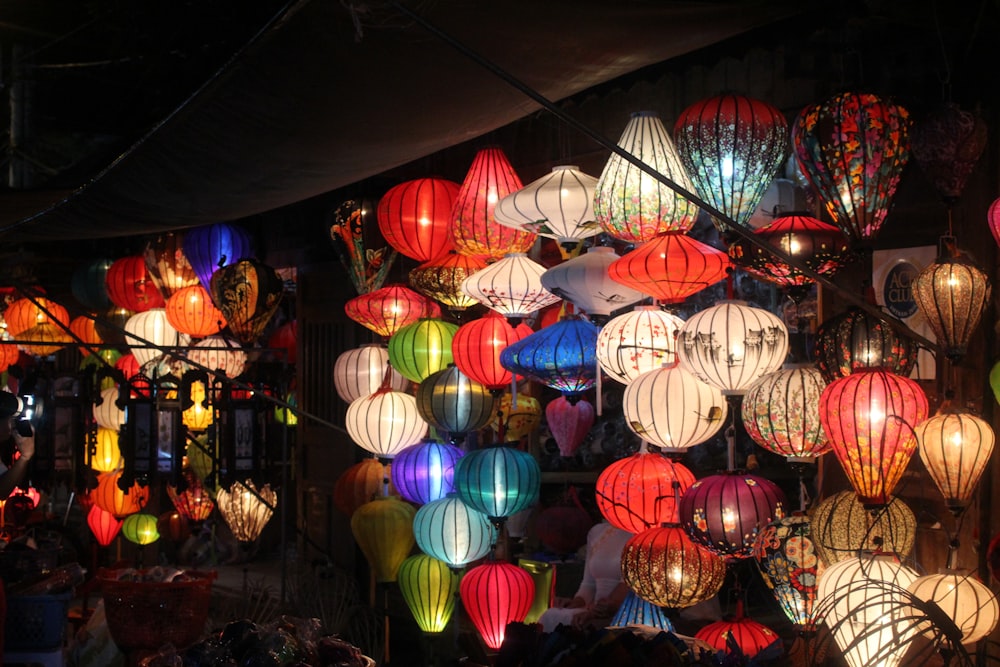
{"type": "Point", "coordinates": [211, 247]}
{"type": "Point", "coordinates": [425, 472]}
{"type": "Point", "coordinates": [562, 355]}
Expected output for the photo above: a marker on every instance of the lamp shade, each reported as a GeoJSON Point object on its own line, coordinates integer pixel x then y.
{"type": "Point", "coordinates": [869, 418]}
{"type": "Point", "coordinates": [88, 285]}
{"type": "Point", "coordinates": [636, 342]}
{"type": "Point", "coordinates": [956, 448]}
{"type": "Point", "coordinates": [641, 491]}
{"type": "Point", "coordinates": [789, 563]}
{"type": "Point", "coordinates": [425, 471]}
{"type": "Point", "coordinates": [103, 524]}
{"type": "Point", "coordinates": [385, 422]}
{"type": "Point", "coordinates": [584, 282]}
{"type": "Point", "coordinates": [429, 588]}
{"type": "Point", "coordinates": [855, 340]}
{"type": "Point", "coordinates": [441, 279]}
{"type": "Point", "coordinates": [246, 509]}
{"type": "Point", "coordinates": [665, 567]}
{"type": "Point", "coordinates": [842, 527]}
{"type": "Point", "coordinates": [964, 599]}
{"type": "Point", "coordinates": [453, 403]}
{"type": "Point", "coordinates": [190, 310]}
{"type": "Point", "coordinates": [361, 371]}
{"type": "Point", "coordinates": [210, 247]}
{"type": "Point", "coordinates": [361, 483]}
{"type": "Point", "coordinates": [383, 529]}
{"type": "Point", "coordinates": [490, 178]}
{"type": "Point", "coordinates": [248, 293]}
{"type": "Point", "coordinates": [511, 286]}
{"type": "Point", "coordinates": [569, 423]}
{"type": "Point", "coordinates": [167, 264]}
{"type": "Point", "coordinates": [476, 348]}
{"type": "Point", "coordinates": [423, 348]}
{"type": "Point", "coordinates": [415, 217]}
{"type": "Point", "coordinates": [148, 331]}
{"type": "Point", "coordinates": [23, 314]}
{"type": "Point", "coordinates": [130, 286]}
{"type": "Point", "coordinates": [453, 532]}
{"type": "Point", "coordinates": [494, 594]}
{"type": "Point", "coordinates": [498, 481]}
{"type": "Point", "coordinates": [562, 356]}
{"type": "Point", "coordinates": [731, 146]}
{"type": "Point", "coordinates": [634, 206]}
{"type": "Point", "coordinates": [781, 413]}
{"type": "Point", "coordinates": [388, 309]}
{"type": "Point", "coordinates": [559, 205]}
{"type": "Point", "coordinates": [140, 528]}
{"type": "Point", "coordinates": [670, 267]}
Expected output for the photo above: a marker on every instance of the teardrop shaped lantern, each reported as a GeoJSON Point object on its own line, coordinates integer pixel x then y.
{"type": "Point", "coordinates": [947, 144]}
{"type": "Point", "coordinates": [746, 634]}
{"type": "Point", "coordinates": [453, 532]}
{"type": "Point", "coordinates": [641, 491]}
{"type": "Point", "coordinates": [562, 356]}
{"type": "Point", "coordinates": [425, 472]}
{"type": "Point", "coordinates": [103, 525]}
{"type": "Point", "coordinates": [956, 448]}
{"type": "Point", "coordinates": [638, 341]}
{"type": "Point", "coordinates": [453, 403]}
{"type": "Point", "coordinates": [634, 206]}
{"type": "Point", "coordinates": [856, 340]}
{"type": "Point", "coordinates": [789, 563]}
{"type": "Point", "coordinates": [190, 310]}
{"type": "Point", "coordinates": [584, 282]}
{"type": "Point", "coordinates": [511, 286]}
{"type": "Point", "coordinates": [167, 264]}
{"type": "Point", "coordinates": [219, 355]}
{"type": "Point", "coordinates": [415, 217]}
{"type": "Point", "coordinates": [383, 529]}
{"type": "Point", "coordinates": [246, 509]}
{"type": "Point", "coordinates": [360, 483]}
{"type": "Point", "coordinates": [388, 309]}
{"type": "Point", "coordinates": [870, 417]}
{"type": "Point", "coordinates": [559, 206]}
{"type": "Point", "coordinates": [149, 331]}
{"type": "Point", "coordinates": [441, 279]}
{"type": "Point", "coordinates": [248, 293]}
{"type": "Point", "coordinates": [495, 594]}
{"type": "Point", "coordinates": [423, 348]}
{"type": "Point", "coordinates": [130, 286]}
{"type": "Point", "coordinates": [361, 371]}
{"type": "Point", "coordinates": [843, 527]}
{"type": "Point", "coordinates": [853, 148]}
{"type": "Point", "coordinates": [569, 423]}
{"type": "Point", "coordinates": [476, 348]}
{"type": "Point", "coordinates": [670, 267]}
{"type": "Point", "coordinates": [210, 247]}
{"type": "Point", "coordinates": [429, 588]}
{"type": "Point", "coordinates": [490, 178]}
{"type": "Point", "coordinates": [88, 285]}
{"type": "Point", "coordinates": [665, 567]}
{"type": "Point", "coordinates": [732, 146]}
{"type": "Point", "coordinates": [731, 344]}
{"type": "Point", "coordinates": [23, 314]}
{"type": "Point", "coordinates": [498, 481]}
{"type": "Point", "coordinates": [963, 598]}
{"type": "Point", "coordinates": [952, 294]}
{"type": "Point", "coordinates": [781, 413]}
{"type": "Point", "coordinates": [385, 422]}
{"type": "Point", "coordinates": [140, 528]}
{"type": "Point", "coordinates": [672, 409]}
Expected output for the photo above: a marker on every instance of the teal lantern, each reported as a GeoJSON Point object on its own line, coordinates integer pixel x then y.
{"type": "Point", "coordinates": [424, 347]}
{"type": "Point", "coordinates": [498, 481]}
{"type": "Point", "coordinates": [453, 532]}
{"type": "Point", "coordinates": [562, 356]}
{"type": "Point", "coordinates": [429, 587]}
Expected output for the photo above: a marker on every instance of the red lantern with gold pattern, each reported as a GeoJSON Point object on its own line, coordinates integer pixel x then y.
{"type": "Point", "coordinates": [441, 279]}
{"type": "Point", "coordinates": [665, 567]}
{"type": "Point", "coordinates": [415, 217]}
{"type": "Point", "coordinates": [670, 267]}
{"type": "Point", "coordinates": [190, 310]}
{"type": "Point", "coordinates": [130, 286]}
{"type": "Point", "coordinates": [388, 309]}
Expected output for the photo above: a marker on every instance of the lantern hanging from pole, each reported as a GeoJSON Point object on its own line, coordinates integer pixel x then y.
{"type": "Point", "coordinates": [516, 419]}
{"type": "Point", "coordinates": [210, 247]}
{"type": "Point", "coordinates": [670, 267]}
{"type": "Point", "coordinates": [149, 331]}
{"type": "Point", "coordinates": [385, 422]}
{"type": "Point", "coordinates": [219, 356]}
{"type": "Point", "coordinates": [495, 594]}
{"type": "Point", "coordinates": [429, 588]}
{"type": "Point", "coordinates": [130, 286]}
{"type": "Point", "coordinates": [415, 217]}
{"type": "Point", "coordinates": [24, 314]}
{"type": "Point", "coordinates": [387, 309]}
{"type": "Point", "coordinates": [83, 327]}
{"type": "Point", "coordinates": [636, 342]}
{"type": "Point", "coordinates": [425, 471]}
{"type": "Point", "coordinates": [490, 178]}
{"type": "Point", "coordinates": [103, 525]}
{"type": "Point", "coordinates": [441, 279]}
{"type": "Point", "coordinates": [665, 567]}
{"type": "Point", "coordinates": [559, 206]}
{"type": "Point", "coordinates": [956, 448]}
{"type": "Point", "coordinates": [107, 457]}
{"type": "Point", "coordinates": [476, 348]}
{"type": "Point", "coordinates": [947, 144]}
{"type": "Point", "coordinates": [869, 418]}
{"type": "Point", "coordinates": [383, 529]}
{"type": "Point", "coordinates": [789, 563]}
{"type": "Point", "coordinates": [360, 483]}
{"type": "Point", "coordinates": [88, 285]}
{"type": "Point", "coordinates": [732, 146]}
{"type": "Point", "coordinates": [140, 528]}
{"type": "Point", "coordinates": [361, 371]}
{"type": "Point", "coordinates": [781, 413]}
{"type": "Point", "coordinates": [584, 282]}
{"type": "Point", "coordinates": [246, 509]}
{"type": "Point", "coordinates": [248, 294]}
{"type": "Point", "coordinates": [167, 264]}
{"type": "Point", "coordinates": [190, 310]}
{"type": "Point", "coordinates": [632, 205]}
{"type": "Point", "coordinates": [453, 532]}
{"type": "Point", "coordinates": [569, 423]}
{"type": "Point", "coordinates": [641, 491]}
{"type": "Point", "coordinates": [855, 340]}
{"type": "Point", "coordinates": [842, 527]}
{"type": "Point", "coordinates": [963, 598]}
{"type": "Point", "coordinates": [853, 148]}
{"type": "Point", "coordinates": [562, 356]}
{"type": "Point", "coordinates": [423, 348]}
{"type": "Point", "coordinates": [498, 481]}
{"type": "Point", "coordinates": [511, 286]}
{"type": "Point", "coordinates": [746, 634]}
{"type": "Point", "coordinates": [453, 403]}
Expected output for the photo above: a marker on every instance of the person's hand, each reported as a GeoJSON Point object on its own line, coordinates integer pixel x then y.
{"type": "Point", "coordinates": [25, 443]}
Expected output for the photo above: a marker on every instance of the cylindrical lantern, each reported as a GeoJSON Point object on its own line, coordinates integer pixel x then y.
{"type": "Point", "coordinates": [131, 287]}
{"type": "Point", "coordinates": [441, 279]}
{"type": "Point", "coordinates": [140, 528]}
{"type": "Point", "coordinates": [453, 403]}
{"type": "Point", "coordinates": [956, 448]}
{"type": "Point", "coordinates": [246, 509]}
{"type": "Point", "coordinates": [420, 349]}
{"type": "Point", "coordinates": [148, 331]}
{"type": "Point", "coordinates": [385, 422]}
{"type": "Point", "coordinates": [453, 532]}
{"type": "Point", "coordinates": [387, 309]}
{"type": "Point", "coordinates": [415, 217]}
{"type": "Point", "coordinates": [211, 247]}
{"type": "Point", "coordinates": [498, 481]}
{"type": "Point", "coordinates": [559, 205]}
{"type": "Point", "coordinates": [511, 286]}
{"type": "Point", "coordinates": [869, 418]}
{"type": "Point", "coordinates": [562, 356]}
{"type": "Point", "coordinates": [788, 560]}
{"type": "Point", "coordinates": [641, 491]}
{"type": "Point", "coordinates": [638, 341]}
{"type": "Point", "coordinates": [167, 264]}
{"type": "Point", "coordinates": [781, 413]}
{"type": "Point", "coordinates": [108, 457]}
{"type": "Point", "coordinates": [361, 371]}
{"type": "Point", "coordinates": [842, 527]}
{"type": "Point", "coordinates": [103, 524]}
{"type": "Point", "coordinates": [476, 348]}
{"type": "Point", "coordinates": [190, 310]}
{"type": "Point", "coordinates": [670, 267]}
{"type": "Point", "coordinates": [219, 355]}
{"type": "Point", "coordinates": [429, 588]}
{"type": "Point", "coordinates": [495, 594]}
{"type": "Point", "coordinates": [569, 423]}
{"type": "Point", "coordinates": [856, 339]}
{"type": "Point", "coordinates": [584, 282]}
{"type": "Point", "coordinates": [361, 483]}
{"type": "Point", "coordinates": [665, 567]}
{"type": "Point", "coordinates": [111, 498]}
{"type": "Point", "coordinates": [425, 471]}
{"type": "Point", "coordinates": [634, 206]}
{"type": "Point", "coordinates": [24, 314]}
{"type": "Point", "coordinates": [383, 529]}
{"type": "Point", "coordinates": [963, 598]}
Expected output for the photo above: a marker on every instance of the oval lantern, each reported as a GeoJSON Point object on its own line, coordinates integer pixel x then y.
{"type": "Point", "coordinates": [140, 528]}
{"type": "Point", "coordinates": [947, 144]}
{"type": "Point", "coordinates": [855, 339]}
{"type": "Point", "coordinates": [111, 325]}
{"type": "Point", "coordinates": [964, 599]}
{"type": "Point", "coordinates": [24, 314]}
{"type": "Point", "coordinates": [425, 472]}
{"type": "Point", "coordinates": [843, 527]}
{"type": "Point", "coordinates": [495, 594]}
{"type": "Point", "coordinates": [453, 532]}
{"type": "Point", "coordinates": [84, 328]}
{"type": "Point", "coordinates": [516, 419]}
{"type": "Point", "coordinates": [111, 498]}
{"type": "Point", "coordinates": [956, 448]}
{"type": "Point", "coordinates": [454, 404]}
{"type": "Point", "coordinates": [218, 356]}
{"type": "Point", "coordinates": [441, 279]}
{"type": "Point", "coordinates": [665, 567]}
{"type": "Point", "coordinates": [781, 413]}
{"type": "Point", "coordinates": [383, 529]}
{"type": "Point", "coordinates": [670, 267]}
{"type": "Point", "coordinates": [638, 341]}
{"type": "Point", "coordinates": [569, 423]}
{"type": "Point", "coordinates": [361, 371]}
{"type": "Point", "coordinates": [415, 217]}
{"type": "Point", "coordinates": [190, 310]}
{"type": "Point", "coordinates": [789, 563]}
{"type": "Point", "coordinates": [211, 247]}
{"type": "Point", "coordinates": [103, 525]}
{"type": "Point", "coordinates": [130, 286]}
{"type": "Point", "coordinates": [429, 588]}
{"type": "Point", "coordinates": [476, 348]}
{"type": "Point", "coordinates": [562, 356]}
{"type": "Point", "coordinates": [388, 309]}
{"type": "Point", "coordinates": [167, 264]}
{"type": "Point", "coordinates": [108, 456]}
{"type": "Point", "coordinates": [285, 338]}
{"type": "Point", "coordinates": [385, 422]}
{"type": "Point", "coordinates": [149, 331]}
{"type": "Point", "coordinates": [420, 349]}
{"type": "Point", "coordinates": [248, 294]}
{"type": "Point", "coordinates": [641, 491]}
{"type": "Point", "coordinates": [360, 483]}
{"type": "Point", "coordinates": [498, 481]}
{"type": "Point", "coordinates": [88, 285]}
{"type": "Point", "coordinates": [174, 526]}
{"type": "Point", "coordinates": [584, 282]}
{"type": "Point", "coordinates": [511, 286]}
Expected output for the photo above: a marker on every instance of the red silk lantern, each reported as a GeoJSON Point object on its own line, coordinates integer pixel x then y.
{"type": "Point", "coordinates": [24, 314]}
{"type": "Point", "coordinates": [131, 287]}
{"type": "Point", "coordinates": [569, 423]}
{"type": "Point", "coordinates": [103, 525]}
{"type": "Point", "coordinates": [562, 529]}
{"type": "Point", "coordinates": [476, 348]}
{"type": "Point", "coordinates": [870, 417]}
{"type": "Point", "coordinates": [128, 365]}
{"type": "Point", "coordinates": [83, 327]}
{"type": "Point", "coordinates": [111, 498]}
{"type": "Point", "coordinates": [167, 264]}
{"type": "Point", "coordinates": [495, 594]}
{"type": "Point", "coordinates": [749, 636]}
{"type": "Point", "coordinates": [441, 279]}
{"type": "Point", "coordinates": [9, 355]}
{"type": "Point", "coordinates": [286, 338]}
{"type": "Point", "coordinates": [641, 491]}
{"type": "Point", "coordinates": [360, 483]}
{"type": "Point", "coordinates": [415, 217]}
{"type": "Point", "coordinates": [670, 267]}
{"type": "Point", "coordinates": [173, 525]}
{"type": "Point", "coordinates": [190, 310]}
{"type": "Point", "coordinates": [388, 309]}
{"type": "Point", "coordinates": [665, 567]}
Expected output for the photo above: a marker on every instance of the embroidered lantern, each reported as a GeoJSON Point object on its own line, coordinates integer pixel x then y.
{"type": "Point", "coordinates": [454, 404]}
{"type": "Point", "coordinates": [415, 217]}
{"type": "Point", "coordinates": [562, 356]}
{"type": "Point", "coordinates": [495, 594]}
{"type": "Point", "coordinates": [383, 529]}
{"type": "Point", "coordinates": [110, 497]}
{"type": "Point", "coordinates": [247, 293]}
{"type": "Point", "coordinates": [856, 339]}
{"type": "Point", "coordinates": [636, 342]}
{"type": "Point", "coordinates": [781, 413]}
{"type": "Point", "coordinates": [425, 471]}
{"type": "Point", "coordinates": [842, 527]}
{"type": "Point", "coordinates": [636, 611]}
{"type": "Point", "coordinates": [947, 144]}
{"type": "Point", "coordinates": [476, 348]}
{"type": "Point", "coordinates": [511, 286]}
{"type": "Point", "coordinates": [641, 491]}
{"type": "Point", "coordinates": [670, 267]}
{"type": "Point", "coordinates": [956, 448]}
{"type": "Point", "coordinates": [441, 279]}
{"type": "Point", "coordinates": [584, 282]}
{"type": "Point", "coordinates": [665, 567]}
{"type": "Point", "coordinates": [453, 532]}
{"type": "Point", "coordinates": [429, 588]}
{"type": "Point", "coordinates": [516, 419]}
{"type": "Point", "coordinates": [388, 309]}
{"type": "Point", "coordinates": [423, 348]}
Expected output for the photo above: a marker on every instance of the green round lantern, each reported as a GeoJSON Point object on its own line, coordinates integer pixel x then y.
{"type": "Point", "coordinates": [140, 528]}
{"type": "Point", "coordinates": [498, 481]}
{"type": "Point", "coordinates": [429, 587]}
{"type": "Point", "coordinates": [453, 403]}
{"type": "Point", "coordinates": [995, 380]}
{"type": "Point", "coordinates": [424, 347]}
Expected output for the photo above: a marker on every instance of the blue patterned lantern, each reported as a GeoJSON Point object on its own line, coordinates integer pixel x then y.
{"type": "Point", "coordinates": [636, 611]}
{"type": "Point", "coordinates": [498, 481]}
{"type": "Point", "coordinates": [562, 356]}
{"type": "Point", "coordinates": [789, 563]}
{"type": "Point", "coordinates": [453, 532]}
{"type": "Point", "coordinates": [425, 471]}
{"type": "Point", "coordinates": [211, 247]}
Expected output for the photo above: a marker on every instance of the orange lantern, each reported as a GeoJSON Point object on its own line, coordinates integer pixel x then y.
{"type": "Point", "coordinates": [361, 483]}
{"type": "Point", "coordinates": [641, 491]}
{"type": "Point", "coordinates": [111, 498]}
{"type": "Point", "coordinates": [190, 310]}
{"type": "Point", "coordinates": [24, 314]}
{"type": "Point", "coordinates": [415, 217]}
{"type": "Point", "coordinates": [130, 286]}
{"type": "Point", "coordinates": [85, 329]}
{"type": "Point", "coordinates": [388, 309]}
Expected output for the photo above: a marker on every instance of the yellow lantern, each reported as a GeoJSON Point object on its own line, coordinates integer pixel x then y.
{"type": "Point", "coordinates": [383, 529]}
{"type": "Point", "coordinates": [518, 421]}
{"type": "Point", "coordinates": [108, 456]}
{"type": "Point", "coordinates": [429, 587]}
{"type": "Point", "coordinates": [198, 417]}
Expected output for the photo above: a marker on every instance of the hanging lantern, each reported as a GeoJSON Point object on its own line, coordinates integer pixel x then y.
{"type": "Point", "coordinates": [361, 371]}
{"type": "Point", "coordinates": [103, 525]}
{"type": "Point", "coordinates": [856, 340]}
{"type": "Point", "coordinates": [219, 356]}
{"type": "Point", "coordinates": [24, 314]}
{"type": "Point", "coordinates": [516, 419]}
{"type": "Point", "coordinates": [853, 148]}
{"type": "Point", "coordinates": [670, 267]}
{"type": "Point", "coordinates": [415, 217]}
{"type": "Point", "coordinates": [110, 497]}
{"type": "Point", "coordinates": [559, 206]}
{"type": "Point", "coordinates": [454, 404]}
{"type": "Point", "coordinates": [429, 588]}
{"type": "Point", "coordinates": [963, 598]}
{"type": "Point", "coordinates": [148, 331]}
{"type": "Point", "coordinates": [569, 423]}
{"type": "Point", "coordinates": [731, 344]}
{"type": "Point", "coordinates": [88, 285]}
{"type": "Point", "coordinates": [563, 528]}
{"type": "Point", "coordinates": [636, 611]}
{"type": "Point", "coordinates": [210, 247]}
{"type": "Point", "coordinates": [452, 532]}
{"type": "Point", "coordinates": [285, 338]}
{"type": "Point", "coordinates": [672, 409]}
{"type": "Point", "coordinates": [490, 178]}
{"type": "Point", "coordinates": [731, 146]}
{"type": "Point", "coordinates": [423, 348]}
{"type": "Point", "coordinates": [193, 503]}
{"type": "Point", "coordinates": [388, 309]}
{"type": "Point", "coordinates": [781, 413]}
{"type": "Point", "coordinates": [84, 328]}
{"type": "Point", "coordinates": [947, 144]}
{"type": "Point", "coordinates": [725, 512]}
{"type": "Point", "coordinates": [107, 457]}
{"type": "Point", "coordinates": [128, 365]}
{"type": "Point", "coordinates": [441, 279]}
{"type": "Point", "coordinates": [498, 481]}
{"type": "Point", "coordinates": [246, 509]}
{"type": "Point", "coordinates": [173, 526]}
{"type": "Point", "coordinates": [869, 418]}
{"type": "Point", "coordinates": [636, 342]}
{"type": "Point", "coordinates": [641, 491]}
{"type": "Point", "coordinates": [366, 267]}
{"type": "Point", "coordinates": [584, 282]}
{"type": "Point", "coordinates": [749, 636]}
{"type": "Point", "coordinates": [634, 206]}
{"type": "Point", "coordinates": [814, 244]}
{"type": "Point", "coordinates": [46, 339]}
{"type": "Point", "coordinates": [511, 286]}
{"type": "Point", "coordinates": [789, 563]}
{"type": "Point", "coordinates": [9, 355]}
{"type": "Point", "coordinates": [956, 448]}
{"type": "Point", "coordinates": [842, 527]}
{"type": "Point", "coordinates": [106, 413]}
{"type": "Point", "coordinates": [167, 264]}
{"type": "Point", "coordinates": [665, 567]}
{"type": "Point", "coordinates": [248, 294]}
{"type": "Point", "coordinates": [952, 294]}
{"type": "Point", "coordinates": [111, 325]}
{"type": "Point", "coordinates": [131, 287]}
{"type": "Point", "coordinates": [360, 483]}
{"type": "Point", "coordinates": [385, 422]}
{"type": "Point", "coordinates": [190, 310]}
{"type": "Point", "coordinates": [562, 356]}
{"type": "Point", "coordinates": [476, 348]}
{"type": "Point", "coordinates": [383, 529]}
{"type": "Point", "coordinates": [425, 471]}
{"type": "Point", "coordinates": [105, 358]}
{"type": "Point", "coordinates": [140, 528]}
{"type": "Point", "coordinates": [199, 416]}
{"type": "Point", "coordinates": [495, 594]}
{"type": "Point", "coordinates": [993, 219]}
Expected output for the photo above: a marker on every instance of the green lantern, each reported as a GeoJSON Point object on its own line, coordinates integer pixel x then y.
{"type": "Point", "coordinates": [140, 528]}
{"type": "Point", "coordinates": [417, 350]}
{"type": "Point", "coordinates": [995, 380]}
{"type": "Point", "coordinates": [429, 587]}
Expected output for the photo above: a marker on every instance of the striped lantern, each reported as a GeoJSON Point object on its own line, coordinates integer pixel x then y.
{"type": "Point", "coordinates": [193, 503]}
{"type": "Point", "coordinates": [511, 286]}
{"type": "Point", "coordinates": [476, 348]}
{"type": "Point", "coordinates": [190, 310]}
{"type": "Point", "coordinates": [23, 314]}
{"type": "Point", "coordinates": [584, 282]}
{"type": "Point", "coordinates": [562, 356]}
{"type": "Point", "coordinates": [210, 247]}
{"type": "Point", "coordinates": [665, 567]}
{"type": "Point", "coordinates": [964, 599]}
{"type": "Point", "coordinates": [111, 498]}
{"type": "Point", "coordinates": [441, 279]}
{"type": "Point", "coordinates": [855, 339]}
{"type": "Point", "coordinates": [167, 264]}
{"type": "Point", "coordinates": [670, 267]}
{"type": "Point", "coordinates": [429, 588]}
{"type": "Point", "coordinates": [148, 331]}
{"type": "Point", "coordinates": [641, 340]}
{"type": "Point", "coordinates": [748, 635]}
{"type": "Point", "coordinates": [130, 286]}
{"type": "Point", "coordinates": [495, 594]}
{"type": "Point", "coordinates": [636, 611]}
{"type": "Point", "coordinates": [385, 422]}
{"type": "Point", "coordinates": [641, 491]}
{"type": "Point", "coordinates": [498, 481]}
{"type": "Point", "coordinates": [84, 328]}
{"type": "Point", "coordinates": [781, 413]}
{"type": "Point", "coordinates": [956, 448]}
{"type": "Point", "coordinates": [140, 528]}
{"type": "Point", "coordinates": [9, 354]}
{"type": "Point", "coordinates": [108, 456]}
{"type": "Point", "coordinates": [454, 404]}
{"type": "Point", "coordinates": [103, 524]}
{"type": "Point", "coordinates": [390, 308]}
{"type": "Point", "coordinates": [425, 472]}
{"type": "Point", "coordinates": [219, 355]}
{"type": "Point", "coordinates": [423, 348]}
{"type": "Point", "coordinates": [843, 527]}
{"type": "Point", "coordinates": [46, 339]}
{"type": "Point", "coordinates": [361, 371]}
{"type": "Point", "coordinates": [415, 217]}
{"type": "Point", "coordinates": [383, 529]}
{"type": "Point", "coordinates": [453, 532]}
{"type": "Point", "coordinates": [361, 482]}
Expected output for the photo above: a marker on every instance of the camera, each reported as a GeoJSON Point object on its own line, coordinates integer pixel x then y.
{"type": "Point", "coordinates": [22, 408]}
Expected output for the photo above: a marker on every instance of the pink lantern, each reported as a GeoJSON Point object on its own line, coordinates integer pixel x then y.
{"type": "Point", "coordinates": [495, 594]}
{"type": "Point", "coordinates": [569, 422]}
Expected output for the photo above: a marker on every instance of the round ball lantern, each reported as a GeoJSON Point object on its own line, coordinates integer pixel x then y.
{"type": "Point", "coordinates": [869, 418]}
{"type": "Point", "coordinates": [167, 264]}
{"type": "Point", "coordinates": [730, 345]}
{"type": "Point", "coordinates": [781, 413]}
{"type": "Point", "coordinates": [111, 325]}
{"type": "Point", "coordinates": [517, 418]}
{"type": "Point", "coordinates": [636, 342]}
{"type": "Point", "coordinates": [454, 404]}
{"type": "Point", "coordinates": [106, 413]}
{"type": "Point", "coordinates": [956, 448]}
{"type": "Point", "coordinates": [131, 287]}
{"type": "Point", "coordinates": [665, 567]}
{"type": "Point", "coordinates": [670, 267]}
{"type": "Point", "coordinates": [429, 588]}
{"type": "Point", "coordinates": [725, 512]}
{"type": "Point", "coordinates": [284, 342]}
{"type": "Point", "coordinates": [24, 314]}
{"type": "Point", "coordinates": [453, 532]}
{"type": "Point", "coordinates": [423, 348]}
{"type": "Point", "coordinates": [641, 491]}
{"type": "Point", "coordinates": [415, 217]}
{"type": "Point", "coordinates": [963, 598]}
{"type": "Point", "coordinates": [385, 422]}
{"type": "Point", "coordinates": [511, 286]}
{"type": "Point", "coordinates": [108, 456]}
{"type": "Point", "coordinates": [441, 279]}
{"type": "Point", "coordinates": [842, 527]}
{"type": "Point", "coordinates": [174, 526]}
{"type": "Point", "coordinates": [360, 483]}
{"type": "Point", "coordinates": [148, 331]}
{"type": "Point", "coordinates": [634, 206]}
{"type": "Point", "coordinates": [498, 481]}
{"type": "Point", "coordinates": [476, 348]}
{"type": "Point", "coordinates": [562, 356]}
{"type": "Point", "coordinates": [190, 310]}
{"type": "Point", "coordinates": [9, 354]}
{"type": "Point", "coordinates": [88, 285]}
{"type": "Point", "coordinates": [495, 594]}
{"type": "Point", "coordinates": [672, 409]}
{"type": "Point", "coordinates": [246, 509]}
{"type": "Point", "coordinates": [84, 328]}
{"type": "Point", "coordinates": [855, 339]}
{"type": "Point", "coordinates": [219, 355]}
{"type": "Point", "coordinates": [211, 247]}
{"type": "Point", "coordinates": [388, 309]}
{"type": "Point", "coordinates": [103, 525]}
{"type": "Point", "coordinates": [749, 636]}
{"type": "Point", "coordinates": [361, 371]}
{"type": "Point", "coordinates": [584, 282]}
{"type": "Point", "coordinates": [425, 471]}
{"type": "Point", "coordinates": [110, 497]}
{"type": "Point", "coordinates": [569, 423]}
{"type": "Point", "coordinates": [383, 529]}
{"type": "Point", "coordinates": [789, 563]}
{"type": "Point", "coordinates": [140, 528]}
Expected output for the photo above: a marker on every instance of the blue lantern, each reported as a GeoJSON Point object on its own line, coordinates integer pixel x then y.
{"type": "Point", "coordinates": [453, 532]}
{"type": "Point", "coordinates": [498, 481]}
{"type": "Point", "coordinates": [211, 247]}
{"type": "Point", "coordinates": [562, 356]}
{"type": "Point", "coordinates": [636, 611]}
{"type": "Point", "coordinates": [425, 471]}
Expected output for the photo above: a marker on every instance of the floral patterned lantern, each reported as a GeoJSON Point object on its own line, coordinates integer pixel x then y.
{"type": "Point", "coordinates": [453, 403]}
{"type": "Point", "coordinates": [641, 491]}
{"type": "Point", "coordinates": [415, 217]}
{"type": "Point", "coordinates": [956, 448]}
{"type": "Point", "coordinates": [453, 532]}
{"type": "Point", "coordinates": [476, 348]}
{"type": "Point", "coordinates": [511, 286]}
{"type": "Point", "coordinates": [383, 529]}
{"type": "Point", "coordinates": [103, 524]}
{"type": "Point", "coordinates": [167, 264]}
{"type": "Point", "coordinates": [423, 348]}
{"type": "Point", "coordinates": [388, 309]}
{"type": "Point", "coordinates": [789, 563]}
{"type": "Point", "coordinates": [495, 594]}
{"type": "Point", "coordinates": [429, 588]}
{"type": "Point", "coordinates": [130, 286]}
{"type": "Point", "coordinates": [363, 481]}
{"type": "Point", "coordinates": [584, 282]}
{"type": "Point", "coordinates": [670, 267]}
{"type": "Point", "coordinates": [855, 339]}
{"type": "Point", "coordinates": [425, 472]}
{"type": "Point", "coordinates": [843, 527]}
{"type": "Point", "coordinates": [562, 356]}
{"type": "Point", "coordinates": [210, 247]}
{"type": "Point", "coordinates": [441, 279]}
{"type": "Point", "coordinates": [190, 310]}
{"type": "Point", "coordinates": [665, 567]}
{"type": "Point", "coordinates": [498, 481]}
{"type": "Point", "coordinates": [361, 371]}
{"type": "Point", "coordinates": [781, 413]}
{"type": "Point", "coordinates": [636, 342]}
{"type": "Point", "coordinates": [569, 423]}
{"type": "Point", "coordinates": [385, 422]}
